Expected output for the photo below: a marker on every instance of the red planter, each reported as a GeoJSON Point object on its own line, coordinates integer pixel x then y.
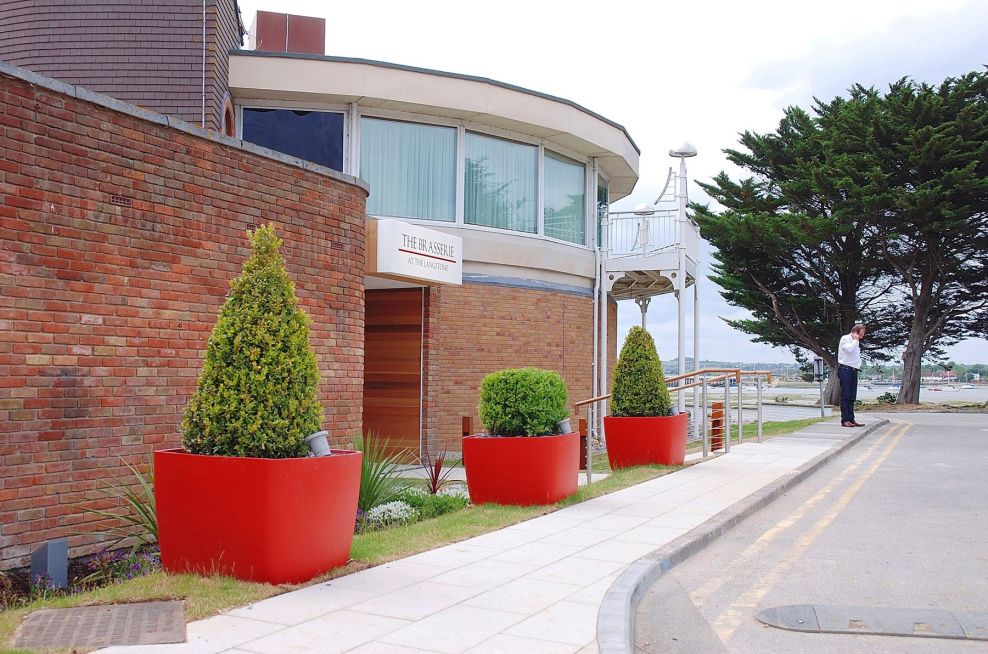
{"type": "Point", "coordinates": [521, 470]}
{"type": "Point", "coordinates": [273, 520]}
{"type": "Point", "coordinates": [646, 441]}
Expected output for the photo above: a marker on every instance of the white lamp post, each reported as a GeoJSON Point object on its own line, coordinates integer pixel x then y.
{"type": "Point", "coordinates": [682, 153]}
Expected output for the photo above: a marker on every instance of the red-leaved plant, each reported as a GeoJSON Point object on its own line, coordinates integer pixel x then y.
{"type": "Point", "coordinates": [436, 478]}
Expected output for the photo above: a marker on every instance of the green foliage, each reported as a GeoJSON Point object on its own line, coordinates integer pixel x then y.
{"type": "Point", "coordinates": [138, 519]}
{"type": "Point", "coordinates": [522, 402]}
{"type": "Point", "coordinates": [639, 384]}
{"type": "Point", "coordinates": [430, 506]}
{"type": "Point", "coordinates": [256, 395]}
{"type": "Point", "coordinates": [867, 208]}
{"type": "Point", "coordinates": [379, 480]}
{"type": "Point", "coordinates": [887, 398]}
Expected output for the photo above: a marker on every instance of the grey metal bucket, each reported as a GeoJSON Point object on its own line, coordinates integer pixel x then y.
{"type": "Point", "coordinates": [319, 443]}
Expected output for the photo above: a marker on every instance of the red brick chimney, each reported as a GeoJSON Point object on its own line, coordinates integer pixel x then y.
{"type": "Point", "coordinates": [274, 32]}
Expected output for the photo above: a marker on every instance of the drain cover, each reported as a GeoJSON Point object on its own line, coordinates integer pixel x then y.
{"type": "Point", "coordinates": [99, 626]}
{"type": "Point", "coordinates": [879, 621]}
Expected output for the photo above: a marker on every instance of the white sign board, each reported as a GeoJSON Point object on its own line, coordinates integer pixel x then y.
{"type": "Point", "coordinates": [400, 250]}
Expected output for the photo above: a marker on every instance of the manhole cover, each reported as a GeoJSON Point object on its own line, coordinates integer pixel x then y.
{"type": "Point", "coordinates": [99, 626]}
{"type": "Point", "coordinates": [879, 621]}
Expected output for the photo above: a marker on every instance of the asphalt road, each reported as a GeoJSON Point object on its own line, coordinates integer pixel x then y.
{"type": "Point", "coordinates": [899, 521]}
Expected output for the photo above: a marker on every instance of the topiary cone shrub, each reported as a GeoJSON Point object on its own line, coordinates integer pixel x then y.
{"type": "Point", "coordinates": [522, 402]}
{"type": "Point", "coordinates": [256, 395]}
{"type": "Point", "coordinates": [639, 385]}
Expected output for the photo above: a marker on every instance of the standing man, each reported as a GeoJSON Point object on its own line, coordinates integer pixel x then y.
{"type": "Point", "coordinates": [848, 364]}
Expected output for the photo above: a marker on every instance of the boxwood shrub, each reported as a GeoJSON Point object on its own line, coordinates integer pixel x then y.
{"type": "Point", "coordinates": [522, 402]}
{"type": "Point", "coordinates": [256, 395]}
{"type": "Point", "coordinates": [639, 385]}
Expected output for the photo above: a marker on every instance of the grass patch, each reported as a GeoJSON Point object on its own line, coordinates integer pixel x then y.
{"type": "Point", "coordinates": [207, 596]}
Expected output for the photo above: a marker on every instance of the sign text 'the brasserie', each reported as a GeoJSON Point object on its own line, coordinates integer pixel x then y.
{"type": "Point", "coordinates": [428, 246]}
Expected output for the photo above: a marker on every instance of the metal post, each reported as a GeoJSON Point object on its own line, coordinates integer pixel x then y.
{"type": "Point", "coordinates": [604, 288]}
{"type": "Point", "coordinates": [727, 416]}
{"type": "Point", "coordinates": [759, 384]}
{"type": "Point", "coordinates": [696, 345]}
{"type": "Point", "coordinates": [681, 276]}
{"type": "Point", "coordinates": [703, 417]}
{"type": "Point", "coordinates": [822, 413]}
{"type": "Point", "coordinates": [642, 303]}
{"type": "Point", "coordinates": [740, 416]}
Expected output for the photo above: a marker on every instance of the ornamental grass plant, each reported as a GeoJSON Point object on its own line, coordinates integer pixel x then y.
{"type": "Point", "coordinates": [639, 385]}
{"type": "Point", "coordinates": [256, 396]}
{"type": "Point", "coordinates": [522, 402]}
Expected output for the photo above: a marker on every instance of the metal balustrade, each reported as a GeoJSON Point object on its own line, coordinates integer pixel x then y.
{"type": "Point", "coordinates": [702, 380]}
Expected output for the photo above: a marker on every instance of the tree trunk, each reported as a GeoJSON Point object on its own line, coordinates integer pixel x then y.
{"type": "Point", "coordinates": [831, 392]}
{"type": "Point", "coordinates": [912, 372]}
{"type": "Point", "coordinates": [912, 358]}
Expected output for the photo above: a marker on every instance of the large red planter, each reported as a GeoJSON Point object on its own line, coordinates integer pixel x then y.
{"type": "Point", "coordinates": [521, 470]}
{"type": "Point", "coordinates": [273, 520]}
{"type": "Point", "coordinates": [659, 440]}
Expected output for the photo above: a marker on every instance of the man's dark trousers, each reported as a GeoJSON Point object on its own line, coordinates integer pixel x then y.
{"type": "Point", "coordinates": [848, 377]}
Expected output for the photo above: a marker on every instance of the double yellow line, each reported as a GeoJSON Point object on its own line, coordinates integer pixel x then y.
{"type": "Point", "coordinates": [741, 609]}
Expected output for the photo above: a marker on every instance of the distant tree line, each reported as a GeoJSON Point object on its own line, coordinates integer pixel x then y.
{"type": "Point", "coordinates": [867, 208]}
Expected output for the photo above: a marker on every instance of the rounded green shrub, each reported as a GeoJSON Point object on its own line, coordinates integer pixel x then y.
{"type": "Point", "coordinates": [256, 395]}
{"type": "Point", "coordinates": [639, 385]}
{"type": "Point", "coordinates": [522, 402]}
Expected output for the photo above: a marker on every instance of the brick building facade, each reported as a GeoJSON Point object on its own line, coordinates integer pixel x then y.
{"type": "Point", "coordinates": [119, 233]}
{"type": "Point", "coordinates": [472, 330]}
{"type": "Point", "coordinates": [147, 54]}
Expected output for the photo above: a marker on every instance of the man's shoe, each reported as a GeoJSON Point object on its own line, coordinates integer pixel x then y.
{"type": "Point", "coordinates": [857, 424]}
{"type": "Point", "coordinates": [847, 423]}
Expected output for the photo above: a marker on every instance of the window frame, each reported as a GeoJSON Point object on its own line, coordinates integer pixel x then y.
{"type": "Point", "coordinates": [344, 110]}
{"type": "Point", "coordinates": [586, 180]}
{"type": "Point", "coordinates": [457, 206]}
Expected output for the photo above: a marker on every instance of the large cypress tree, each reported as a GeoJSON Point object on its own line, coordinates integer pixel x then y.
{"type": "Point", "coordinates": [859, 213]}
{"type": "Point", "coordinates": [256, 395]}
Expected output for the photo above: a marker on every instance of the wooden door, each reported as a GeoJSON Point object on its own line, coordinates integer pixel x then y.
{"type": "Point", "coordinates": [393, 368]}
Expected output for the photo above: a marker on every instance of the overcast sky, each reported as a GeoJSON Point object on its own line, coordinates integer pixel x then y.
{"type": "Point", "coordinates": [701, 71]}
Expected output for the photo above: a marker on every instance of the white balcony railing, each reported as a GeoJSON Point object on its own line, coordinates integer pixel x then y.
{"type": "Point", "coordinates": [631, 234]}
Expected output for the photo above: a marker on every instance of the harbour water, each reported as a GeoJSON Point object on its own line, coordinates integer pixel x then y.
{"type": "Point", "coordinates": [927, 393]}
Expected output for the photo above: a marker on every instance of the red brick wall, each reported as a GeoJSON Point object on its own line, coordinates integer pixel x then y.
{"type": "Point", "coordinates": [145, 53]}
{"type": "Point", "coordinates": [105, 309]}
{"type": "Point", "coordinates": [473, 330]}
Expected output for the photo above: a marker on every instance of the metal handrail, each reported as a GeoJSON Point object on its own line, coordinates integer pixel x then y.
{"type": "Point", "coordinates": [704, 381]}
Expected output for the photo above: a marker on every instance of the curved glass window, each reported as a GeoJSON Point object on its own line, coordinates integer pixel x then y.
{"type": "Point", "coordinates": [565, 215]}
{"type": "Point", "coordinates": [411, 169]}
{"type": "Point", "coordinates": [501, 184]}
{"type": "Point", "coordinates": [315, 136]}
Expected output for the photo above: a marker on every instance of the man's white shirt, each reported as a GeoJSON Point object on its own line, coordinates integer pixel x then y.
{"type": "Point", "coordinates": [849, 352]}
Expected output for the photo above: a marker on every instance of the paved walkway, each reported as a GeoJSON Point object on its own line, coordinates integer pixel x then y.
{"type": "Point", "coordinates": [533, 587]}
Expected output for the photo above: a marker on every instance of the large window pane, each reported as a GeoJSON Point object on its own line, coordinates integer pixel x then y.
{"type": "Point", "coordinates": [411, 169]}
{"type": "Point", "coordinates": [565, 201]}
{"type": "Point", "coordinates": [315, 136]}
{"type": "Point", "coordinates": [501, 181]}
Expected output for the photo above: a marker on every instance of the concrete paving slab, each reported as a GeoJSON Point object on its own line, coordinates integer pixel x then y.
{"type": "Point", "coordinates": [454, 630]}
{"type": "Point", "coordinates": [573, 623]}
{"type": "Point", "coordinates": [330, 634]}
{"type": "Point", "coordinates": [526, 596]}
{"type": "Point", "coordinates": [504, 644]}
